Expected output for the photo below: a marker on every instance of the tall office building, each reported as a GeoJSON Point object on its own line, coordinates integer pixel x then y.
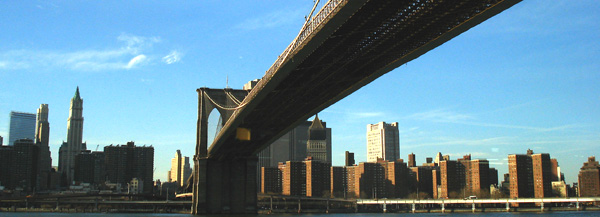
{"type": "Point", "coordinates": [383, 142]}
{"type": "Point", "coordinates": [589, 178]}
{"type": "Point", "coordinates": [180, 169]}
{"type": "Point", "coordinates": [318, 145]}
{"type": "Point", "coordinates": [42, 137]}
{"type": "Point", "coordinates": [74, 144]}
{"type": "Point", "coordinates": [125, 162]}
{"type": "Point", "coordinates": [22, 126]}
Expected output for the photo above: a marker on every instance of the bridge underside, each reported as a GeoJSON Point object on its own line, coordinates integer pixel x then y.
{"type": "Point", "coordinates": [361, 42]}
{"type": "Point", "coordinates": [358, 42]}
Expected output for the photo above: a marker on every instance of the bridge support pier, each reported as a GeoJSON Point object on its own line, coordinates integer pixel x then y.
{"type": "Point", "coordinates": [225, 186]}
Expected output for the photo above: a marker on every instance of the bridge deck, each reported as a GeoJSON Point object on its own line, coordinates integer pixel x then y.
{"type": "Point", "coordinates": [350, 44]}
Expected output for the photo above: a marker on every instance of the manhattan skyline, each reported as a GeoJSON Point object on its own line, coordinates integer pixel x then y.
{"type": "Point", "coordinates": [526, 78]}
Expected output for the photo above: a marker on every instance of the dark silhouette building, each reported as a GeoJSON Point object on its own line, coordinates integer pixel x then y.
{"type": "Point", "coordinates": [90, 167]}
{"type": "Point", "coordinates": [411, 160]}
{"type": "Point", "coordinates": [125, 162]}
{"type": "Point", "coordinates": [18, 165]}
{"type": "Point", "coordinates": [349, 159]}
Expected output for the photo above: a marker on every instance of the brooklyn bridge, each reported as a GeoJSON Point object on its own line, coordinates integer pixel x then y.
{"type": "Point", "coordinates": [343, 47]}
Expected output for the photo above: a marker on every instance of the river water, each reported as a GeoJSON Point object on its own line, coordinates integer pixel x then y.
{"type": "Point", "coordinates": [490, 214]}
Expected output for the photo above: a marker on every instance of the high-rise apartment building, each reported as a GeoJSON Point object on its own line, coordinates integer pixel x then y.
{"type": "Point", "coordinates": [125, 162]}
{"type": "Point", "coordinates": [42, 138]}
{"type": "Point", "coordinates": [589, 178]}
{"type": "Point", "coordinates": [270, 180]}
{"type": "Point", "coordinates": [318, 145]}
{"type": "Point", "coordinates": [530, 175]}
{"type": "Point", "coordinates": [74, 144]}
{"type": "Point", "coordinates": [22, 126]}
{"type": "Point", "coordinates": [383, 142]}
{"type": "Point", "coordinates": [180, 169]}
{"type": "Point", "coordinates": [463, 177]}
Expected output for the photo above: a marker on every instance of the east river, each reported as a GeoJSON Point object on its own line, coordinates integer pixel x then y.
{"type": "Point", "coordinates": [494, 214]}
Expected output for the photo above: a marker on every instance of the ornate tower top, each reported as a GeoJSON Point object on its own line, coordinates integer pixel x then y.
{"type": "Point", "coordinates": [77, 97]}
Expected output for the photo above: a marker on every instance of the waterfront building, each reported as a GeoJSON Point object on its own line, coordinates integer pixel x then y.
{"type": "Point", "coordinates": [530, 175]}
{"type": "Point", "coordinates": [271, 180]}
{"type": "Point", "coordinates": [90, 167]}
{"type": "Point", "coordinates": [452, 176]}
{"type": "Point", "coordinates": [339, 178]}
{"type": "Point", "coordinates": [74, 144]}
{"type": "Point", "coordinates": [293, 178]}
{"type": "Point", "coordinates": [318, 177]}
{"type": "Point", "coordinates": [370, 180]}
{"type": "Point", "coordinates": [22, 126]}
{"type": "Point", "coordinates": [180, 169]}
{"type": "Point", "coordinates": [589, 179]}
{"type": "Point", "coordinates": [398, 179]}
{"type": "Point", "coordinates": [125, 162]}
{"type": "Point", "coordinates": [383, 142]}
{"type": "Point", "coordinates": [422, 177]}
{"type": "Point", "coordinates": [19, 165]}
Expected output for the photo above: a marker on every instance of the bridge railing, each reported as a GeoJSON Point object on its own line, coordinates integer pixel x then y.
{"type": "Point", "coordinates": [310, 26]}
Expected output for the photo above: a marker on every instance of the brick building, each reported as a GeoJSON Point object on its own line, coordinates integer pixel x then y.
{"type": "Point", "coordinates": [589, 178]}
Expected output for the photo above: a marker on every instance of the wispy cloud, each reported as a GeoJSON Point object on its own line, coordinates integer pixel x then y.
{"type": "Point", "coordinates": [440, 115]}
{"type": "Point", "coordinates": [446, 116]}
{"type": "Point", "coordinates": [464, 142]}
{"type": "Point", "coordinates": [172, 57]}
{"type": "Point", "coordinates": [129, 55]}
{"type": "Point", "coordinates": [271, 20]}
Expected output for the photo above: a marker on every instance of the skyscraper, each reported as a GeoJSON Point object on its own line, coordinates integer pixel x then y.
{"type": "Point", "coordinates": [42, 136]}
{"type": "Point", "coordinates": [318, 145]}
{"type": "Point", "coordinates": [383, 142]}
{"type": "Point", "coordinates": [74, 144]}
{"type": "Point", "coordinates": [22, 126]}
{"type": "Point", "coordinates": [180, 169]}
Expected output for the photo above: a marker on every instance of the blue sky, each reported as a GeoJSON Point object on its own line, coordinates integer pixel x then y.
{"type": "Point", "coordinates": [526, 78]}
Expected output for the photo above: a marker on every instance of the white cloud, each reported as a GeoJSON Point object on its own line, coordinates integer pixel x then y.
{"type": "Point", "coordinates": [173, 57]}
{"type": "Point", "coordinates": [127, 56]}
{"type": "Point", "coordinates": [136, 61]}
{"type": "Point", "coordinates": [137, 43]}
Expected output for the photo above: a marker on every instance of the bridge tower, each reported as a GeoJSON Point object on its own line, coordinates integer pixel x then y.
{"type": "Point", "coordinates": [221, 185]}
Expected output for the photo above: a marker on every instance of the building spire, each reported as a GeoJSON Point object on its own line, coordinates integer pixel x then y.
{"type": "Point", "coordinates": [317, 123]}
{"type": "Point", "coordinates": [77, 94]}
